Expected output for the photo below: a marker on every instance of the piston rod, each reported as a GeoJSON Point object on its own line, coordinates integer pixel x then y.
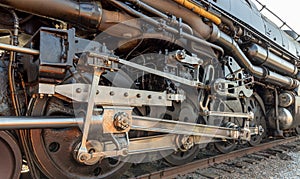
{"type": "Point", "coordinates": [7, 123]}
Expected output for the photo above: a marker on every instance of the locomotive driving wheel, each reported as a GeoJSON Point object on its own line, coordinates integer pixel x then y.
{"type": "Point", "coordinates": [187, 151]}
{"type": "Point", "coordinates": [297, 130]}
{"type": "Point", "coordinates": [253, 106]}
{"type": "Point", "coordinates": [227, 145]}
{"type": "Point", "coordinates": [11, 158]}
{"type": "Point", "coordinates": [54, 148]}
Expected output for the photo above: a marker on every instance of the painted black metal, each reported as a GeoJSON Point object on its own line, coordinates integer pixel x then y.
{"type": "Point", "coordinates": [249, 15]}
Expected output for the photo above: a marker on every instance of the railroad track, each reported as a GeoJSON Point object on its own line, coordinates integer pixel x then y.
{"type": "Point", "coordinates": [173, 172]}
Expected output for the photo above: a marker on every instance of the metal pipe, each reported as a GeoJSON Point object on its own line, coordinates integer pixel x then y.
{"type": "Point", "coordinates": [167, 28]}
{"type": "Point", "coordinates": [264, 57]}
{"type": "Point", "coordinates": [200, 28]}
{"type": "Point", "coordinates": [19, 49]}
{"type": "Point", "coordinates": [11, 69]}
{"type": "Point", "coordinates": [199, 10]}
{"type": "Point", "coordinates": [7, 123]}
{"type": "Point", "coordinates": [259, 72]}
{"type": "Point", "coordinates": [81, 13]}
{"type": "Point", "coordinates": [156, 12]}
{"type": "Point", "coordinates": [84, 14]}
{"type": "Point", "coordinates": [12, 84]}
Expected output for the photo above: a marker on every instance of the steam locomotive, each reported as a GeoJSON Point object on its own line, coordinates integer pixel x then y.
{"type": "Point", "coordinates": [90, 87]}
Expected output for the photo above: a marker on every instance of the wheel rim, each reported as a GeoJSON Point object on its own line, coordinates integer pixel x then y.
{"type": "Point", "coordinates": [179, 157]}
{"type": "Point", "coordinates": [297, 130]}
{"type": "Point", "coordinates": [225, 146]}
{"type": "Point", "coordinates": [10, 155]}
{"type": "Point", "coordinates": [53, 150]}
{"type": "Point", "coordinates": [253, 106]}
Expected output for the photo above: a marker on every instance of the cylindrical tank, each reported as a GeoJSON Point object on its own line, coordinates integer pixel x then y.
{"type": "Point", "coordinates": [284, 116]}
{"type": "Point", "coordinates": [261, 56]}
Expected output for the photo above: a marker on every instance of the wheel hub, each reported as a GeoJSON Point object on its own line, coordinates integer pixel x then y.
{"type": "Point", "coordinates": [186, 149]}
{"type": "Point", "coordinates": [184, 143]}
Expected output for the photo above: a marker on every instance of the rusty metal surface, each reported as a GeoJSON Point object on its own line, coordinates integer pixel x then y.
{"type": "Point", "coordinates": [11, 158]}
{"type": "Point", "coordinates": [204, 163]}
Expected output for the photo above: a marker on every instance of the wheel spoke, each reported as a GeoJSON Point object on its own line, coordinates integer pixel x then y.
{"type": "Point", "coordinates": [259, 119]}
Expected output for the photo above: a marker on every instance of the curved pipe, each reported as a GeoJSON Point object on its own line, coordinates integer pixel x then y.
{"type": "Point", "coordinates": [201, 29]}
{"type": "Point", "coordinates": [148, 8]}
{"type": "Point", "coordinates": [11, 70]}
{"type": "Point", "coordinates": [199, 10]}
{"type": "Point", "coordinates": [167, 28]}
{"type": "Point", "coordinates": [264, 57]}
{"type": "Point", "coordinates": [274, 78]}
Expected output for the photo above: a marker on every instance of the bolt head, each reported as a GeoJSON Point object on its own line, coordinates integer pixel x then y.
{"type": "Point", "coordinates": [121, 121]}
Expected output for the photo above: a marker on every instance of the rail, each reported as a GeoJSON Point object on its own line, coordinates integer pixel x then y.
{"type": "Point", "coordinates": [173, 172]}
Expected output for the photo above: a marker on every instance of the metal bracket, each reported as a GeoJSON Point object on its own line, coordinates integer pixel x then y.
{"type": "Point", "coordinates": [180, 27]}
{"type": "Point", "coordinates": [82, 152]}
{"type": "Point", "coordinates": [112, 153]}
{"type": "Point", "coordinates": [103, 61]}
{"type": "Point", "coordinates": [111, 96]}
{"type": "Point", "coordinates": [176, 97]}
{"type": "Point", "coordinates": [231, 88]}
{"type": "Point", "coordinates": [181, 56]}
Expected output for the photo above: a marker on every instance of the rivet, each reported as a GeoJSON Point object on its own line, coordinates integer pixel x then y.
{"type": "Point", "coordinates": [78, 90]}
